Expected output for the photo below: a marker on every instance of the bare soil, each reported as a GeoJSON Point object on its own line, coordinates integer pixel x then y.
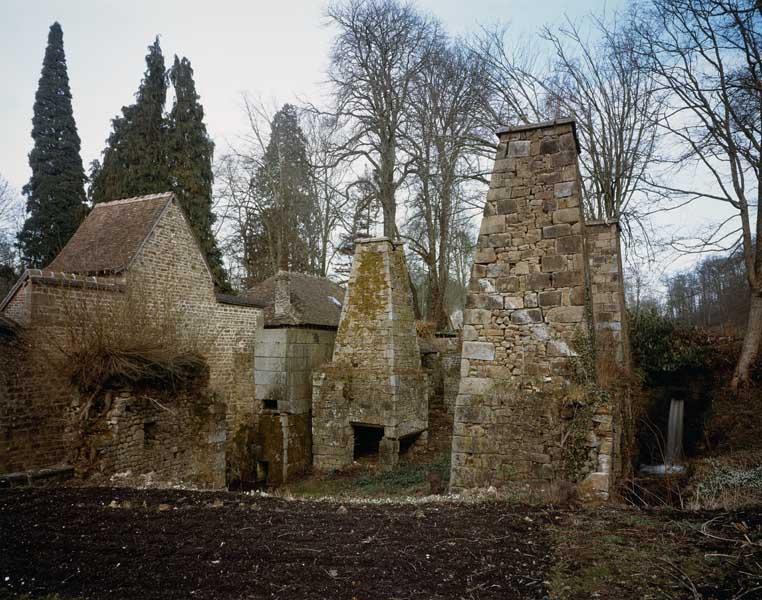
{"type": "Point", "coordinates": [98, 543]}
{"type": "Point", "coordinates": [178, 544]}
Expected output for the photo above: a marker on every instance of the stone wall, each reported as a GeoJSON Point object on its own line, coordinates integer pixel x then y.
{"type": "Point", "coordinates": [169, 277]}
{"type": "Point", "coordinates": [283, 446]}
{"type": "Point", "coordinates": [172, 271]}
{"type": "Point", "coordinates": [150, 437]}
{"type": "Point", "coordinates": [603, 246]}
{"type": "Point", "coordinates": [441, 361]}
{"type": "Point", "coordinates": [518, 408]}
{"type": "Point", "coordinates": [284, 358]}
{"type": "Point", "coordinates": [34, 427]}
{"type": "Point", "coordinates": [375, 378]}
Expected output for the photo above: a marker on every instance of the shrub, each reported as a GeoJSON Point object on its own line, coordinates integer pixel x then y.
{"type": "Point", "coordinates": [120, 339]}
{"type": "Point", "coordinates": [660, 345]}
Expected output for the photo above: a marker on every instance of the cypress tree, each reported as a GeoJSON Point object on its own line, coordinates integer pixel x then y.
{"type": "Point", "coordinates": [135, 158]}
{"type": "Point", "coordinates": [55, 193]}
{"type": "Point", "coordinates": [190, 151]}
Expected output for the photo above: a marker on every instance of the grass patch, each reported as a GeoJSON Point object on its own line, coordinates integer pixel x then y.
{"type": "Point", "coordinates": [408, 478]}
{"type": "Point", "coordinates": [614, 553]}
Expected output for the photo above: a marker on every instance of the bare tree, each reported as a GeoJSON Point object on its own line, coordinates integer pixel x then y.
{"type": "Point", "coordinates": [708, 55]}
{"type": "Point", "coordinates": [615, 104]}
{"type": "Point", "coordinates": [334, 201]}
{"type": "Point", "coordinates": [381, 47]}
{"type": "Point", "coordinates": [11, 217]}
{"type": "Point", "coordinates": [596, 80]}
{"type": "Point", "coordinates": [444, 126]}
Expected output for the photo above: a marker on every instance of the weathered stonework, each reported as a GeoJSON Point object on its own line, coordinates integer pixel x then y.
{"type": "Point", "coordinates": [375, 378]}
{"type": "Point", "coordinates": [131, 437]}
{"type": "Point", "coordinates": [526, 308]}
{"type": "Point", "coordinates": [441, 361]}
{"type": "Point", "coordinates": [166, 268]}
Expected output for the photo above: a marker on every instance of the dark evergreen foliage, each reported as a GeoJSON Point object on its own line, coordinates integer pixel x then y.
{"type": "Point", "coordinates": [190, 152]}
{"type": "Point", "coordinates": [135, 159]}
{"type": "Point", "coordinates": [283, 188]}
{"type": "Point", "coordinates": [150, 152]}
{"type": "Point", "coordinates": [55, 193]}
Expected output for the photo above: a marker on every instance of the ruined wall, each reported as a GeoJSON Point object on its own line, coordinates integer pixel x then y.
{"type": "Point", "coordinates": [284, 446]}
{"type": "Point", "coordinates": [516, 407]}
{"type": "Point", "coordinates": [375, 377]}
{"type": "Point", "coordinates": [171, 277]}
{"type": "Point", "coordinates": [284, 360]}
{"type": "Point", "coordinates": [34, 427]}
{"type": "Point", "coordinates": [150, 437]}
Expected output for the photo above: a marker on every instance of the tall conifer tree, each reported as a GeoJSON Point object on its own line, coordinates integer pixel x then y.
{"type": "Point", "coordinates": [283, 185]}
{"type": "Point", "coordinates": [55, 193]}
{"type": "Point", "coordinates": [135, 158]}
{"type": "Point", "coordinates": [190, 151]}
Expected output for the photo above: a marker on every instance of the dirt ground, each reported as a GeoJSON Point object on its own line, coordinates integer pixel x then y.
{"type": "Point", "coordinates": [99, 543]}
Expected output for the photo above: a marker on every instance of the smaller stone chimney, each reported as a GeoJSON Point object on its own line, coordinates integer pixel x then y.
{"type": "Point", "coordinates": [282, 295]}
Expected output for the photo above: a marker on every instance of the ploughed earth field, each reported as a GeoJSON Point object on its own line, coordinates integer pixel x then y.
{"type": "Point", "coordinates": [115, 543]}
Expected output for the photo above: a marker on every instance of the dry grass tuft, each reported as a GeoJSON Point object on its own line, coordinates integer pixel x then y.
{"type": "Point", "coordinates": [117, 340]}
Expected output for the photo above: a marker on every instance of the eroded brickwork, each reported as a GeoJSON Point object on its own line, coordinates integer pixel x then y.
{"type": "Point", "coordinates": [35, 431]}
{"type": "Point", "coordinates": [375, 378]}
{"type": "Point", "coordinates": [526, 308]}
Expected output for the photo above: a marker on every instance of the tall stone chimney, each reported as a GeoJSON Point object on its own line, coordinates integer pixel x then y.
{"type": "Point", "coordinates": [517, 421]}
{"type": "Point", "coordinates": [375, 379]}
{"type": "Point", "coordinates": [282, 295]}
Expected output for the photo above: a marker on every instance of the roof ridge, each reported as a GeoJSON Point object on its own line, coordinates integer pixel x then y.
{"type": "Point", "coordinates": [321, 277]}
{"type": "Point", "coordinates": [160, 196]}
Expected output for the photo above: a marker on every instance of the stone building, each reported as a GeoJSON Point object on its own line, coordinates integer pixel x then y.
{"type": "Point", "coordinates": [140, 250]}
{"type": "Point", "coordinates": [301, 315]}
{"type": "Point", "coordinates": [373, 395]}
{"type": "Point", "coordinates": [542, 283]}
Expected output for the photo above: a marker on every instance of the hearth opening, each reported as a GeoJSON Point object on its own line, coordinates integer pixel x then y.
{"type": "Point", "coordinates": [367, 440]}
{"type": "Point", "coordinates": [270, 404]}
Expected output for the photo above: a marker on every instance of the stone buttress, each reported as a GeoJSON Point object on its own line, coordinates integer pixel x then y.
{"type": "Point", "coordinates": [375, 379]}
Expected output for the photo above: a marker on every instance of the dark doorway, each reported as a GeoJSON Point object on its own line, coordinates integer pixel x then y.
{"type": "Point", "coordinates": [367, 440]}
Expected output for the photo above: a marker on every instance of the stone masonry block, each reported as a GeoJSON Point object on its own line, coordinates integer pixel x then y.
{"type": "Point", "coordinates": [478, 350]}
{"type": "Point", "coordinates": [565, 314]}
{"type": "Point", "coordinates": [556, 231]}
{"type": "Point", "coordinates": [485, 255]}
{"type": "Point", "coordinates": [519, 148]}
{"type": "Point", "coordinates": [563, 190]}
{"type": "Point", "coordinates": [477, 316]}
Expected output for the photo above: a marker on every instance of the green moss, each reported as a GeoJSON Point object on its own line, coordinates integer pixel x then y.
{"type": "Point", "coordinates": [367, 302]}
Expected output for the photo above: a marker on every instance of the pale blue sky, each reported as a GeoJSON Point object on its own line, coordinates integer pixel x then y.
{"type": "Point", "coordinates": [277, 50]}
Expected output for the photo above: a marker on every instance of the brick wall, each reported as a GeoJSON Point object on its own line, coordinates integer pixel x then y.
{"type": "Point", "coordinates": [169, 274]}
{"type": "Point", "coordinates": [34, 427]}
{"type": "Point", "coordinates": [170, 269]}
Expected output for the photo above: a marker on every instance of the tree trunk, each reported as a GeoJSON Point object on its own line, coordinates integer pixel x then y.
{"type": "Point", "coordinates": [751, 342]}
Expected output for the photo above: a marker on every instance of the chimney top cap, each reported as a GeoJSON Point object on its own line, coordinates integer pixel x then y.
{"type": "Point", "coordinates": [501, 131]}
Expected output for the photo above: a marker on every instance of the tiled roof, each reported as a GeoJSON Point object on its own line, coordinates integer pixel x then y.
{"type": "Point", "coordinates": [111, 235]}
{"type": "Point", "coordinates": [315, 300]}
